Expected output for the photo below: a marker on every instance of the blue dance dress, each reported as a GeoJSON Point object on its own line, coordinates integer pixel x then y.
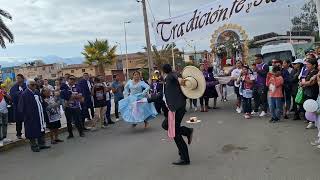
{"type": "Point", "coordinates": [135, 108]}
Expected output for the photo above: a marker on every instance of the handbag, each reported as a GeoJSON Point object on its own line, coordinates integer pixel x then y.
{"type": "Point", "coordinates": [300, 96]}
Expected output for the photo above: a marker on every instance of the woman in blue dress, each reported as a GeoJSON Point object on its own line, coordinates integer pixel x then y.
{"type": "Point", "coordinates": [135, 108]}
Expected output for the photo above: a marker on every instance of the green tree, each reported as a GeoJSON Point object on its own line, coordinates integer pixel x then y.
{"type": "Point", "coordinates": [100, 53]}
{"type": "Point", "coordinates": [5, 32]}
{"type": "Point", "coordinates": [307, 20]}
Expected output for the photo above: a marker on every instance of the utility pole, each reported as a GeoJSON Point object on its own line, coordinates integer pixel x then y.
{"type": "Point", "coordinates": [290, 27]}
{"type": "Point", "coordinates": [125, 39]}
{"type": "Point", "coordinates": [147, 34]}
{"type": "Point", "coordinates": [318, 13]}
{"type": "Point", "coordinates": [172, 52]}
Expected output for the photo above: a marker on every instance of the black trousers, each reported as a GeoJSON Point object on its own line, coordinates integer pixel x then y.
{"type": "Point", "coordinates": [73, 115]}
{"type": "Point", "coordinates": [180, 131]}
{"type": "Point", "coordinates": [206, 101]}
{"type": "Point", "coordinates": [19, 127]}
{"type": "Point", "coordinates": [160, 105]}
{"type": "Point", "coordinates": [260, 95]}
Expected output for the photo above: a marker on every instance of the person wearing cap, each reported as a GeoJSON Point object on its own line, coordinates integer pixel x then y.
{"type": "Point", "coordinates": [73, 98]}
{"type": "Point", "coordinates": [156, 88]}
{"type": "Point", "coordinates": [297, 67]}
{"type": "Point", "coordinates": [310, 87]}
{"type": "Point", "coordinates": [30, 105]}
{"type": "Point", "coordinates": [287, 74]}
{"type": "Point", "coordinates": [260, 89]}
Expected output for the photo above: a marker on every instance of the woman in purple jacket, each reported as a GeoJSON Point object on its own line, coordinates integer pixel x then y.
{"type": "Point", "coordinates": [210, 91]}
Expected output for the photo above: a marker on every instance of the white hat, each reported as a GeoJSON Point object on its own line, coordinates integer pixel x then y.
{"type": "Point", "coordinates": [195, 82]}
{"type": "Point", "coordinates": [193, 120]}
{"type": "Point", "coordinates": [297, 61]}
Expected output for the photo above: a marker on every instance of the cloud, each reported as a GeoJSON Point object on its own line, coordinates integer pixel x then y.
{"type": "Point", "coordinates": [61, 27]}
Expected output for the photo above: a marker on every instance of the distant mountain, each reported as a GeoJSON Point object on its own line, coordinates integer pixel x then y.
{"type": "Point", "coordinates": [17, 61]}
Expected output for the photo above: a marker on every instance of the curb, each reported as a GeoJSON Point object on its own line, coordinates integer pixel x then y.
{"type": "Point", "coordinates": [21, 142]}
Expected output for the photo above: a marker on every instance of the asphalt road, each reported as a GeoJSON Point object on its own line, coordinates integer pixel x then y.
{"type": "Point", "coordinates": [225, 146]}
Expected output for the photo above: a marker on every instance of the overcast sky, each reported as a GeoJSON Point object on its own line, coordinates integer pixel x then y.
{"type": "Point", "coordinates": [62, 27]}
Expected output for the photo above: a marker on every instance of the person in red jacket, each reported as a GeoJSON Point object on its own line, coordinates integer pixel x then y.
{"type": "Point", "coordinates": [275, 84]}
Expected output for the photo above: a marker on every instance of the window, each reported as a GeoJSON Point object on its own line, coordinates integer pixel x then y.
{"type": "Point", "coordinates": [43, 68]}
{"type": "Point", "coordinates": [52, 67]}
{"type": "Point", "coordinates": [53, 75]}
{"type": "Point", "coordinates": [83, 70]}
{"type": "Point", "coordinates": [72, 71]}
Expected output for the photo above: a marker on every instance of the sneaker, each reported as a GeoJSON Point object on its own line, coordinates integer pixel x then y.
{"type": "Point", "coordinates": [238, 110]}
{"type": "Point", "coordinates": [6, 140]}
{"type": "Point", "coordinates": [262, 114]}
{"type": "Point", "coordinates": [117, 119]}
{"type": "Point", "coordinates": [315, 143]}
{"type": "Point", "coordinates": [253, 113]}
{"type": "Point", "coordinates": [318, 146]}
{"type": "Point", "coordinates": [1, 143]}
{"type": "Point", "coordinates": [247, 116]}
{"type": "Point", "coordinates": [195, 109]}
{"type": "Point", "coordinates": [310, 126]}
{"type": "Point", "coordinates": [103, 126]}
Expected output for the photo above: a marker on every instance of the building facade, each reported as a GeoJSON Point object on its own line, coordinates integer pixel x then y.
{"type": "Point", "coordinates": [45, 71]}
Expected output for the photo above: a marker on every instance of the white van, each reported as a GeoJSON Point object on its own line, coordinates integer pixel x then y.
{"type": "Point", "coordinates": [282, 51]}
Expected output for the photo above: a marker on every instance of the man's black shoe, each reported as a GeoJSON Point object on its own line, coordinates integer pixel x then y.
{"type": "Point", "coordinates": [111, 122]}
{"type": "Point", "coordinates": [181, 163]}
{"type": "Point", "coordinates": [190, 136]}
{"type": "Point", "coordinates": [35, 149]}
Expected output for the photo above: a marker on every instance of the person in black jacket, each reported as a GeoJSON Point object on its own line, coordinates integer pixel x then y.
{"type": "Point", "coordinates": [297, 67]}
{"type": "Point", "coordinates": [176, 102]}
{"type": "Point", "coordinates": [156, 89]}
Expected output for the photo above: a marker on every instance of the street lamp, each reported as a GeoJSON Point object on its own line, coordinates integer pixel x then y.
{"type": "Point", "coordinates": [290, 28]}
{"type": "Point", "coordinates": [172, 52]}
{"type": "Point", "coordinates": [121, 56]}
{"type": "Point", "coordinates": [125, 38]}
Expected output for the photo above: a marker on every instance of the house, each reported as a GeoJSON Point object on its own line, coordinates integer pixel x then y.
{"type": "Point", "coordinates": [43, 71]}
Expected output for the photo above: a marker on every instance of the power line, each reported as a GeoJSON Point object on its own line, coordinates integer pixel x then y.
{"type": "Point", "coordinates": [151, 10]}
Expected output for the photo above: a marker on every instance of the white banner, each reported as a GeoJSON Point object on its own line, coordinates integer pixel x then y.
{"type": "Point", "coordinates": [206, 17]}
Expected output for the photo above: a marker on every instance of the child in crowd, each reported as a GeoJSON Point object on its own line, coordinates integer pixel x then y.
{"type": "Point", "coordinates": [275, 84]}
{"type": "Point", "coordinates": [246, 82]}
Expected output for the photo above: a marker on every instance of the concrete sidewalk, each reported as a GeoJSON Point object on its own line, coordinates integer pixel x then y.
{"type": "Point", "coordinates": [16, 142]}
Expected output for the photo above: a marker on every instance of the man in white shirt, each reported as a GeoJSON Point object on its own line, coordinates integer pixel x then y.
{"type": "Point", "coordinates": [235, 74]}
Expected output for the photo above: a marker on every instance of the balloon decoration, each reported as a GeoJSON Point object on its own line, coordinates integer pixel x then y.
{"type": "Point", "coordinates": [7, 84]}
{"type": "Point", "coordinates": [311, 116]}
{"type": "Point", "coordinates": [310, 105]}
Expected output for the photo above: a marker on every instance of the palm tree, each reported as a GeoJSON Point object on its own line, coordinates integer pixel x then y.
{"type": "Point", "coordinates": [5, 33]}
{"type": "Point", "coordinates": [100, 53]}
{"type": "Point", "coordinates": [164, 55]}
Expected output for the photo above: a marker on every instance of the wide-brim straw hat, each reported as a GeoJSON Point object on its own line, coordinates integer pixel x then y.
{"type": "Point", "coordinates": [195, 82]}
